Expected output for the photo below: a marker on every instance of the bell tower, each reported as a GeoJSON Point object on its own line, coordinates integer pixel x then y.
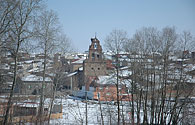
{"type": "Point", "coordinates": [95, 65]}
{"type": "Point", "coordinates": [95, 50]}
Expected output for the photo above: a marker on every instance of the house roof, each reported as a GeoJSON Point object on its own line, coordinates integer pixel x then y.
{"type": "Point", "coordinates": [80, 61]}
{"type": "Point", "coordinates": [35, 78]}
{"type": "Point", "coordinates": [72, 74]}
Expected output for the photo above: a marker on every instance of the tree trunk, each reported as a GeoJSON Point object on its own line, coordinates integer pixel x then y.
{"type": "Point", "coordinates": [9, 104]}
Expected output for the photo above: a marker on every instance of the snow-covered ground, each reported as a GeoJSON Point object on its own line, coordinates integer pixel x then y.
{"type": "Point", "coordinates": [74, 113]}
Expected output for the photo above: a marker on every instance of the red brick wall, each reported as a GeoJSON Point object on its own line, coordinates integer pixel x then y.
{"type": "Point", "coordinates": [109, 93]}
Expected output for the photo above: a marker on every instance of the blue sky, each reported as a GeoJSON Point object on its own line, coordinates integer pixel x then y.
{"type": "Point", "coordinates": [80, 19]}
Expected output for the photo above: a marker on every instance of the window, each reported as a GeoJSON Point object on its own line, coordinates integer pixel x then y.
{"type": "Point", "coordinates": [98, 56]}
{"type": "Point", "coordinates": [98, 68]}
{"type": "Point", "coordinates": [93, 55]}
{"type": "Point", "coordinates": [95, 46]}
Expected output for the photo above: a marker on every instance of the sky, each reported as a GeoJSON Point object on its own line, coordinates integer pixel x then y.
{"type": "Point", "coordinates": [82, 19]}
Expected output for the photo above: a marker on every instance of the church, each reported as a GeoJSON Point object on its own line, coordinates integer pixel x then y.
{"type": "Point", "coordinates": [95, 64]}
{"type": "Point", "coordinates": [94, 76]}
{"type": "Point", "coordinates": [85, 70]}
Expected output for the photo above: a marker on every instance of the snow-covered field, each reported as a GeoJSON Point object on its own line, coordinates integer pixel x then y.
{"type": "Point", "coordinates": [74, 113]}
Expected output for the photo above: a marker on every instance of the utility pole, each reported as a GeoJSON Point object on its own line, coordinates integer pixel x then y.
{"type": "Point", "coordinates": [102, 118]}
{"type": "Point", "coordinates": [86, 105]}
{"type": "Point", "coordinates": [71, 84]}
{"type": "Point", "coordinates": [117, 87]}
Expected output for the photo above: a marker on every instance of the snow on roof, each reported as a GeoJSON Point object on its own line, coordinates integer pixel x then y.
{"type": "Point", "coordinates": [32, 55]}
{"type": "Point", "coordinates": [113, 53]}
{"type": "Point", "coordinates": [174, 58]}
{"type": "Point", "coordinates": [10, 73]}
{"type": "Point", "coordinates": [108, 56]}
{"type": "Point", "coordinates": [108, 53]}
{"type": "Point", "coordinates": [18, 63]}
{"type": "Point", "coordinates": [82, 55]}
{"type": "Point", "coordinates": [106, 80]}
{"type": "Point", "coordinates": [35, 103]}
{"type": "Point", "coordinates": [79, 61]}
{"type": "Point", "coordinates": [34, 70]}
{"type": "Point", "coordinates": [111, 79]}
{"type": "Point", "coordinates": [69, 57]}
{"type": "Point", "coordinates": [81, 69]}
{"type": "Point", "coordinates": [191, 80]}
{"type": "Point", "coordinates": [29, 61]}
{"type": "Point", "coordinates": [71, 74]}
{"type": "Point", "coordinates": [191, 66]}
{"type": "Point", "coordinates": [125, 67]}
{"type": "Point", "coordinates": [125, 73]}
{"type": "Point", "coordinates": [35, 78]}
{"type": "Point", "coordinates": [182, 59]}
{"type": "Point", "coordinates": [4, 66]}
{"type": "Point", "coordinates": [27, 104]}
{"type": "Point", "coordinates": [2, 100]}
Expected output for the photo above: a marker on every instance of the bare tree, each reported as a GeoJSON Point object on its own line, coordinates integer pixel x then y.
{"type": "Point", "coordinates": [63, 45]}
{"type": "Point", "coordinates": [45, 28]}
{"type": "Point", "coordinates": [19, 32]}
{"type": "Point", "coordinates": [143, 42]}
{"type": "Point", "coordinates": [50, 40]}
{"type": "Point", "coordinates": [114, 42]}
{"type": "Point", "coordinates": [6, 10]}
{"type": "Point", "coordinates": [160, 85]}
{"type": "Point", "coordinates": [186, 41]}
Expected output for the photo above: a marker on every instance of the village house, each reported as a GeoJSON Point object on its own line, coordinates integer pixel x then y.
{"type": "Point", "coordinates": [76, 64]}
{"type": "Point", "coordinates": [31, 85]}
{"type": "Point", "coordinates": [108, 92]}
{"type": "Point", "coordinates": [61, 63]}
{"type": "Point", "coordinates": [25, 109]}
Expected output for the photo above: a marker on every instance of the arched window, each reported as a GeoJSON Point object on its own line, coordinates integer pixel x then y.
{"type": "Point", "coordinates": [95, 46]}
{"type": "Point", "coordinates": [93, 56]}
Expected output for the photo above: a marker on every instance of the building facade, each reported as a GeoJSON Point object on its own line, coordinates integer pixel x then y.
{"type": "Point", "coordinates": [94, 65]}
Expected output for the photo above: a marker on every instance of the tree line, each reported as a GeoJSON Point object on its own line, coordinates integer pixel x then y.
{"type": "Point", "coordinates": [159, 87]}
{"type": "Point", "coordinates": [27, 25]}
